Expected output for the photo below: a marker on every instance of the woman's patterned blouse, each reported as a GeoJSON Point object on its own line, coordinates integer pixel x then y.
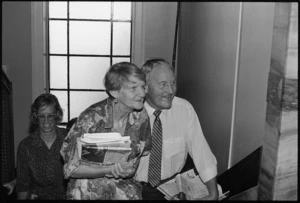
{"type": "Point", "coordinates": [40, 169]}
{"type": "Point", "coordinates": [95, 119]}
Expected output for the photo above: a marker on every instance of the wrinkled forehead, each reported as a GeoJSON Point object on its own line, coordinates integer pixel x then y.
{"type": "Point", "coordinates": [162, 71]}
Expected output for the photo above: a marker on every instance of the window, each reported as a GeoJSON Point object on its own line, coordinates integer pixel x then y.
{"type": "Point", "coordinates": [84, 39]}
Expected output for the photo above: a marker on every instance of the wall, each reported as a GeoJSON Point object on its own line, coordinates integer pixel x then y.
{"type": "Point", "coordinates": [223, 60]}
{"type": "Point", "coordinates": [39, 48]}
{"type": "Point", "coordinates": [155, 30]}
{"type": "Point", "coordinates": [206, 65]}
{"type": "Point", "coordinates": [253, 68]}
{"type": "Point", "coordinates": [16, 53]}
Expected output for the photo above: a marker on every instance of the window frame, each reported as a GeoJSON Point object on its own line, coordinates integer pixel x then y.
{"type": "Point", "coordinates": [40, 63]}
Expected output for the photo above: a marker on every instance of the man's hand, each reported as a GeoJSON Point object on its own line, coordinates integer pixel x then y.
{"type": "Point", "coordinates": [212, 190]}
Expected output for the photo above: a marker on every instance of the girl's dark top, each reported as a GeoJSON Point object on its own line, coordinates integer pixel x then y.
{"type": "Point", "coordinates": [40, 169]}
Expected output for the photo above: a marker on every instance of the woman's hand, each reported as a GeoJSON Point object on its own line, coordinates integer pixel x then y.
{"type": "Point", "coordinates": [124, 169]}
{"type": "Point", "coordinates": [10, 186]}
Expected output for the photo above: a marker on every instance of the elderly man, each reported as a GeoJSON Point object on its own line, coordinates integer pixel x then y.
{"type": "Point", "coordinates": [176, 132]}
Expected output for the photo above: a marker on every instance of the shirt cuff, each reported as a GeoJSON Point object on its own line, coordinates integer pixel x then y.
{"type": "Point", "coordinates": [208, 174]}
{"type": "Point", "coordinates": [69, 168]}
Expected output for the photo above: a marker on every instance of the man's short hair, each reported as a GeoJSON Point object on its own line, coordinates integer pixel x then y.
{"type": "Point", "coordinates": [151, 63]}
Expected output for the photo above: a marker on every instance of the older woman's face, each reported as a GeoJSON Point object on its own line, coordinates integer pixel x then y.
{"type": "Point", "coordinates": [47, 118]}
{"type": "Point", "coordinates": [132, 93]}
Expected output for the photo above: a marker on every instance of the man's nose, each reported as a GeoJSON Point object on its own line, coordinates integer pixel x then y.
{"type": "Point", "coordinates": [170, 89]}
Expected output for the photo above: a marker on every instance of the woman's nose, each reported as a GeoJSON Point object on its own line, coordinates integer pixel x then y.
{"type": "Point", "coordinates": [46, 119]}
{"type": "Point", "coordinates": [142, 92]}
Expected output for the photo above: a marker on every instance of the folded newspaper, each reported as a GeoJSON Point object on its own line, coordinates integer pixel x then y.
{"type": "Point", "coordinates": [104, 148]}
{"type": "Point", "coordinates": [187, 186]}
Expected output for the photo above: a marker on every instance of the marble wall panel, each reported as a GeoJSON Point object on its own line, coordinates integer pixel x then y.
{"type": "Point", "coordinates": [292, 57]}
{"type": "Point", "coordinates": [279, 167]}
{"type": "Point", "coordinates": [269, 155]}
{"type": "Point", "coordinates": [280, 35]}
{"type": "Point", "coordinates": [289, 122]}
{"type": "Point", "coordinates": [292, 61]}
{"type": "Point", "coordinates": [274, 91]}
{"type": "Point", "coordinates": [286, 178]}
{"type": "Point", "coordinates": [290, 94]}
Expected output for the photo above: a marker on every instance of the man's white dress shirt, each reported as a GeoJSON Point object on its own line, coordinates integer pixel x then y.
{"type": "Point", "coordinates": [182, 134]}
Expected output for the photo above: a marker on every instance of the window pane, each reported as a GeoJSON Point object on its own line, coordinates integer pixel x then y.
{"type": "Point", "coordinates": [58, 37]}
{"type": "Point", "coordinates": [81, 100]}
{"type": "Point", "coordinates": [89, 37]}
{"type": "Point", "coordinates": [122, 11]}
{"type": "Point", "coordinates": [88, 72]}
{"type": "Point", "coordinates": [63, 101]}
{"type": "Point", "coordinates": [90, 10]}
{"type": "Point", "coordinates": [58, 72]}
{"type": "Point", "coordinates": [57, 9]}
{"type": "Point", "coordinates": [121, 38]}
{"type": "Point", "coordinates": [120, 59]}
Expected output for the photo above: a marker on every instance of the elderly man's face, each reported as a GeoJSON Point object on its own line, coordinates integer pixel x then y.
{"type": "Point", "coordinates": [161, 87]}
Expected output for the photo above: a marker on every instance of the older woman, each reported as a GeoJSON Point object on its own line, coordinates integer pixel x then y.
{"type": "Point", "coordinates": [39, 163]}
{"type": "Point", "coordinates": [121, 112]}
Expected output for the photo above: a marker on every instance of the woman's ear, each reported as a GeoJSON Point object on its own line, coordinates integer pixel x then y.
{"type": "Point", "coordinates": [114, 93]}
{"type": "Point", "coordinates": [146, 88]}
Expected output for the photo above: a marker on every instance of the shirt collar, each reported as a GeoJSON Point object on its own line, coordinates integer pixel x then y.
{"type": "Point", "coordinates": [37, 140]}
{"type": "Point", "coordinates": [150, 110]}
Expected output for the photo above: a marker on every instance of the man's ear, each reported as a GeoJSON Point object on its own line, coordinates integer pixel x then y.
{"type": "Point", "coordinates": [114, 93]}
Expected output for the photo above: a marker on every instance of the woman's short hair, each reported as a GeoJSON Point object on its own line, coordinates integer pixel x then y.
{"type": "Point", "coordinates": [153, 62]}
{"type": "Point", "coordinates": [120, 73]}
{"type": "Point", "coordinates": [43, 100]}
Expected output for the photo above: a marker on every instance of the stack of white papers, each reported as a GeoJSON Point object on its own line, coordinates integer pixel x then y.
{"type": "Point", "coordinates": [104, 137]}
{"type": "Point", "coordinates": [104, 148]}
{"type": "Point", "coordinates": [188, 183]}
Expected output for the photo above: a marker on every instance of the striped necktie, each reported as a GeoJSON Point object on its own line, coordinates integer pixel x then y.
{"type": "Point", "coordinates": [156, 151]}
